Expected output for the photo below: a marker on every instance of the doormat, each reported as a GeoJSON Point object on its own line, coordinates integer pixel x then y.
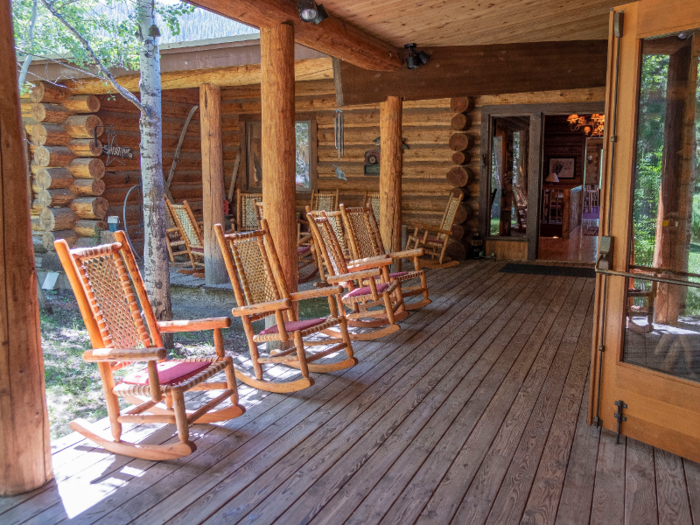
{"type": "Point", "coordinates": [541, 269]}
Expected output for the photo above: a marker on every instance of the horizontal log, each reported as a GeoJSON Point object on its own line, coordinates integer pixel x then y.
{"type": "Point", "coordinates": [35, 209]}
{"type": "Point", "coordinates": [53, 156]}
{"type": "Point", "coordinates": [48, 92]}
{"type": "Point", "coordinates": [52, 113]}
{"type": "Point", "coordinates": [46, 134]}
{"type": "Point", "coordinates": [461, 142]}
{"type": "Point", "coordinates": [463, 214]}
{"type": "Point", "coordinates": [87, 242]}
{"type": "Point", "coordinates": [36, 225]}
{"type": "Point", "coordinates": [456, 250]}
{"type": "Point", "coordinates": [461, 104]}
{"type": "Point", "coordinates": [26, 107]}
{"type": "Point", "coordinates": [90, 207]}
{"type": "Point", "coordinates": [90, 228]}
{"type": "Point", "coordinates": [49, 238]}
{"type": "Point", "coordinates": [54, 219]}
{"type": "Point", "coordinates": [459, 176]}
{"type": "Point", "coordinates": [458, 232]}
{"type": "Point", "coordinates": [366, 136]}
{"type": "Point", "coordinates": [28, 123]}
{"type": "Point", "coordinates": [83, 126]}
{"type": "Point", "coordinates": [38, 242]}
{"type": "Point", "coordinates": [55, 198]}
{"type": "Point", "coordinates": [370, 118]}
{"type": "Point", "coordinates": [82, 104]}
{"type": "Point", "coordinates": [88, 187]}
{"type": "Point", "coordinates": [461, 122]}
{"type": "Point", "coordinates": [87, 168]}
{"type": "Point", "coordinates": [53, 178]}
{"type": "Point", "coordinates": [459, 192]}
{"type": "Point", "coordinates": [85, 147]}
{"type": "Point", "coordinates": [461, 158]}
{"type": "Point", "coordinates": [433, 153]}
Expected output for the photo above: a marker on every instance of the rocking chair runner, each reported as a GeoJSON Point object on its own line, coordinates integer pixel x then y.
{"type": "Point", "coordinates": [380, 292]}
{"type": "Point", "coordinates": [260, 290]}
{"type": "Point", "coordinates": [246, 218]}
{"type": "Point", "coordinates": [435, 239]}
{"type": "Point", "coordinates": [189, 232]}
{"type": "Point", "coordinates": [366, 241]}
{"type": "Point", "coordinates": [106, 283]}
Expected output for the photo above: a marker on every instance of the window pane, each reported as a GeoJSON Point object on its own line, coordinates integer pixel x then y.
{"type": "Point", "coordinates": [303, 132]}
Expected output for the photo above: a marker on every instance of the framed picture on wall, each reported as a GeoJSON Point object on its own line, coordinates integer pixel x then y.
{"type": "Point", "coordinates": [563, 167]}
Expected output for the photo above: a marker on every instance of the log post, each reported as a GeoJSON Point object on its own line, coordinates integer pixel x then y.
{"type": "Point", "coordinates": [25, 448]}
{"type": "Point", "coordinates": [212, 180]}
{"type": "Point", "coordinates": [279, 144]}
{"type": "Point", "coordinates": [391, 165]}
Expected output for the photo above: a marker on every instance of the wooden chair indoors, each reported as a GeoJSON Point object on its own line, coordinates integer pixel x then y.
{"type": "Point", "coordinates": [184, 221]}
{"type": "Point", "coordinates": [376, 304]}
{"type": "Point", "coordinates": [435, 239]}
{"type": "Point", "coordinates": [326, 201]}
{"type": "Point", "coordinates": [246, 219]}
{"type": "Point", "coordinates": [112, 299]}
{"type": "Point", "coordinates": [372, 200]}
{"type": "Point", "coordinates": [366, 241]}
{"type": "Point", "coordinates": [261, 291]}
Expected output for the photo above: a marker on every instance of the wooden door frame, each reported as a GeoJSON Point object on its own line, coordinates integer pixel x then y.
{"type": "Point", "coordinates": [536, 113]}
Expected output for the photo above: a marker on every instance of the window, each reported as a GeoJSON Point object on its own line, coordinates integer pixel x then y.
{"type": "Point", "coordinates": [303, 155]}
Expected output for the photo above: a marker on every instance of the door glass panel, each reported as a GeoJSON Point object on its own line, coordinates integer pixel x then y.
{"type": "Point", "coordinates": [663, 320]}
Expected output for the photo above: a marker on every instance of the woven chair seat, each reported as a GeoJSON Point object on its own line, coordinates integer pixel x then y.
{"type": "Point", "coordinates": [308, 327]}
{"type": "Point", "coordinates": [186, 381]}
{"type": "Point", "coordinates": [365, 293]}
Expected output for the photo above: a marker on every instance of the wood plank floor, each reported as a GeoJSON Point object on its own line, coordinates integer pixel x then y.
{"type": "Point", "coordinates": [473, 413]}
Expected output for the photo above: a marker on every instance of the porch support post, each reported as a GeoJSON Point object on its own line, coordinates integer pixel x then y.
{"type": "Point", "coordinates": [391, 165]}
{"type": "Point", "coordinates": [212, 180]}
{"type": "Point", "coordinates": [25, 449]}
{"type": "Point", "coordinates": [279, 144]}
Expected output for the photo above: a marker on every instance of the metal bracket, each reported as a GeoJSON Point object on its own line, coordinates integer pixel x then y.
{"type": "Point", "coordinates": [620, 418]}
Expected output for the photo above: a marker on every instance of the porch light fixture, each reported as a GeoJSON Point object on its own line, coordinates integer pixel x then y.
{"type": "Point", "coordinates": [415, 59]}
{"type": "Point", "coordinates": [593, 127]}
{"type": "Point", "coordinates": [310, 12]}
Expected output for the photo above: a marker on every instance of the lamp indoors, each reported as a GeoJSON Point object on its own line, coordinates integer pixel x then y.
{"type": "Point", "coordinates": [310, 12]}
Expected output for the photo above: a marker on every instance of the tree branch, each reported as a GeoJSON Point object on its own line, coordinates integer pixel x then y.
{"type": "Point", "coordinates": [110, 78]}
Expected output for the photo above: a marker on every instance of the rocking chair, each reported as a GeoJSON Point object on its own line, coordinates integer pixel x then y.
{"type": "Point", "coordinates": [326, 201]}
{"type": "Point", "coordinates": [260, 290]}
{"type": "Point", "coordinates": [366, 241]}
{"type": "Point", "coordinates": [379, 291]}
{"type": "Point", "coordinates": [435, 239]}
{"type": "Point", "coordinates": [189, 232]}
{"type": "Point", "coordinates": [107, 283]}
{"type": "Point", "coordinates": [246, 219]}
{"type": "Point", "coordinates": [372, 200]}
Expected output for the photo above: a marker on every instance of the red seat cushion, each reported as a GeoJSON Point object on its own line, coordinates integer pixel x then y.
{"type": "Point", "coordinates": [197, 250]}
{"type": "Point", "coordinates": [293, 326]}
{"type": "Point", "coordinates": [434, 239]}
{"type": "Point", "coordinates": [302, 250]}
{"type": "Point", "coordinates": [366, 290]}
{"type": "Point", "coordinates": [169, 373]}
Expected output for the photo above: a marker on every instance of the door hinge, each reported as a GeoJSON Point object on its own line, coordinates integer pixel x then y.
{"type": "Point", "coordinates": [620, 418]}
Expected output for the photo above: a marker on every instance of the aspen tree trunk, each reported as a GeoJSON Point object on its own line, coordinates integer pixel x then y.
{"type": "Point", "coordinates": [156, 274]}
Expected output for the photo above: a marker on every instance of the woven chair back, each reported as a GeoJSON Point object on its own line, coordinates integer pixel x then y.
{"type": "Point", "coordinates": [335, 218]}
{"type": "Point", "coordinates": [254, 268]}
{"type": "Point", "coordinates": [112, 295]}
{"type": "Point", "coordinates": [326, 201]}
{"type": "Point", "coordinates": [331, 250]}
{"type": "Point", "coordinates": [362, 236]}
{"type": "Point", "coordinates": [247, 219]}
{"type": "Point", "coordinates": [372, 200]}
{"type": "Point", "coordinates": [448, 218]}
{"type": "Point", "coordinates": [184, 218]}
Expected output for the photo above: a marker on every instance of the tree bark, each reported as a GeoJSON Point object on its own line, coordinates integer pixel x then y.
{"type": "Point", "coordinates": [25, 448]}
{"type": "Point", "coordinates": [391, 166]}
{"type": "Point", "coordinates": [212, 180]}
{"type": "Point", "coordinates": [157, 270]}
{"type": "Point", "coordinates": [279, 144]}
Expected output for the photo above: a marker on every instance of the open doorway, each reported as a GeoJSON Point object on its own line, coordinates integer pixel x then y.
{"type": "Point", "coordinates": [570, 187]}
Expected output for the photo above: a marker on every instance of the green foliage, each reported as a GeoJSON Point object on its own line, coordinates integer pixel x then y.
{"type": "Point", "coordinates": [303, 155]}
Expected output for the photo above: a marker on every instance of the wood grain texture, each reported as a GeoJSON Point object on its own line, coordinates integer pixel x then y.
{"type": "Point", "coordinates": [391, 166]}
{"type": "Point", "coordinates": [25, 453]}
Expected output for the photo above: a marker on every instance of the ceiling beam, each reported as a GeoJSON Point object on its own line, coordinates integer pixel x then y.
{"type": "Point", "coordinates": [480, 70]}
{"type": "Point", "coordinates": [333, 36]}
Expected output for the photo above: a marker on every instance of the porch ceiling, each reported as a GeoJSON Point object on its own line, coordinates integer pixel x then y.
{"type": "Point", "coordinates": [476, 22]}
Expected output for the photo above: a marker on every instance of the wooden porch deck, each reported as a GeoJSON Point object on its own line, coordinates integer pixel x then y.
{"type": "Point", "coordinates": [473, 413]}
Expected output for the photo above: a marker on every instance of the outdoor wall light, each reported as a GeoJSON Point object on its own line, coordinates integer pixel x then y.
{"type": "Point", "coordinates": [310, 12]}
{"type": "Point", "coordinates": [415, 59]}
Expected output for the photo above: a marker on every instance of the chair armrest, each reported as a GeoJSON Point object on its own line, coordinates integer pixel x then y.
{"type": "Point", "coordinates": [318, 292]}
{"type": "Point", "coordinates": [124, 354]}
{"type": "Point", "coordinates": [194, 325]}
{"type": "Point", "coordinates": [370, 262]}
{"type": "Point", "coordinates": [354, 276]}
{"type": "Point", "coordinates": [408, 254]}
{"type": "Point", "coordinates": [272, 306]}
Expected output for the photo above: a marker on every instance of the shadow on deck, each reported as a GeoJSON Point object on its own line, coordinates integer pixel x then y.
{"type": "Point", "coordinates": [473, 413]}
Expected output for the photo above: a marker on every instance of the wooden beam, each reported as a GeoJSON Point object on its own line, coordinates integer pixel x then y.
{"type": "Point", "coordinates": [333, 36]}
{"type": "Point", "coordinates": [212, 181]}
{"type": "Point", "coordinates": [279, 145]}
{"type": "Point", "coordinates": [391, 165]}
{"type": "Point", "coordinates": [482, 70]}
{"type": "Point", "coordinates": [305, 70]}
{"type": "Point", "coordinates": [25, 448]}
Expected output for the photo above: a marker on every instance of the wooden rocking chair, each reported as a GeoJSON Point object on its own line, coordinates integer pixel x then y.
{"type": "Point", "coordinates": [246, 218]}
{"type": "Point", "coordinates": [189, 232]}
{"type": "Point", "coordinates": [372, 200]}
{"type": "Point", "coordinates": [366, 241]}
{"type": "Point", "coordinates": [367, 281]}
{"type": "Point", "coordinates": [435, 239]}
{"type": "Point", "coordinates": [260, 290]}
{"type": "Point", "coordinates": [326, 201]}
{"type": "Point", "coordinates": [106, 283]}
